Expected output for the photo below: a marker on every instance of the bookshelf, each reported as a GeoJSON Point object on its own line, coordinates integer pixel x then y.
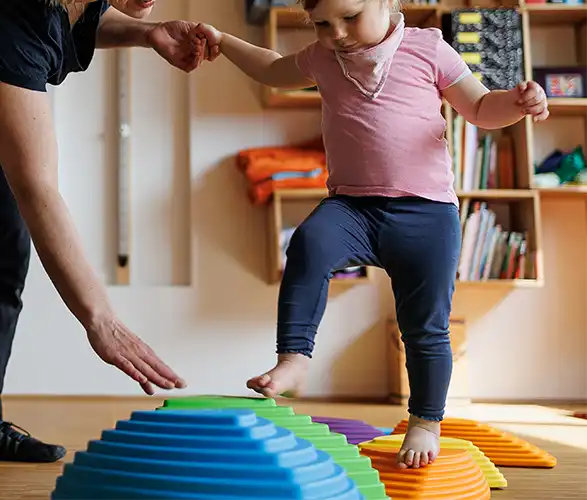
{"type": "Point", "coordinates": [563, 28]}
{"type": "Point", "coordinates": [516, 202]}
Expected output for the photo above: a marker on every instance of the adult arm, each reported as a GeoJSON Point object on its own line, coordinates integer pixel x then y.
{"type": "Point", "coordinates": [119, 30]}
{"type": "Point", "coordinates": [28, 155]}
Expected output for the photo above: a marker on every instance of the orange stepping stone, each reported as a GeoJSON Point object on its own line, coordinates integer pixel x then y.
{"type": "Point", "coordinates": [454, 475]}
{"type": "Point", "coordinates": [502, 448]}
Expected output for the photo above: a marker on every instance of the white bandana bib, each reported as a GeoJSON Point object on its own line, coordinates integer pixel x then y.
{"type": "Point", "coordinates": [368, 69]}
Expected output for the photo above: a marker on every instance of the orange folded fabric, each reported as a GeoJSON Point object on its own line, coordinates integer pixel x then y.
{"type": "Point", "coordinates": [270, 168]}
{"type": "Point", "coordinates": [261, 192]}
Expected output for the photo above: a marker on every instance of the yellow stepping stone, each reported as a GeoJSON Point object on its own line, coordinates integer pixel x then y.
{"type": "Point", "coordinates": [494, 477]}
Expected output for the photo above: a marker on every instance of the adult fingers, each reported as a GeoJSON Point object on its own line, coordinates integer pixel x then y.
{"type": "Point", "coordinates": [127, 367]}
{"type": "Point", "coordinates": [214, 53]}
{"type": "Point", "coordinates": [161, 369]}
{"type": "Point", "coordinates": [152, 375]}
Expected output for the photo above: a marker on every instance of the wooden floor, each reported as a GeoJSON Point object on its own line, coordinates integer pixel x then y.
{"type": "Point", "coordinates": [72, 422]}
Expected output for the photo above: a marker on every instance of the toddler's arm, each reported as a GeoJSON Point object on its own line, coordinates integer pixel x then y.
{"type": "Point", "coordinates": [263, 65]}
{"type": "Point", "coordinates": [497, 108]}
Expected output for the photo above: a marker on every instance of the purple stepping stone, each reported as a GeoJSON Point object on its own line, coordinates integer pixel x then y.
{"type": "Point", "coordinates": [356, 431]}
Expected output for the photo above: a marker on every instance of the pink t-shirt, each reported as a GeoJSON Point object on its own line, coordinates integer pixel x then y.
{"type": "Point", "coordinates": [393, 144]}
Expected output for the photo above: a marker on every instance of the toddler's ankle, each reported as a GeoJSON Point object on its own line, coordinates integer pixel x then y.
{"type": "Point", "coordinates": [293, 358]}
{"type": "Point", "coordinates": [432, 426]}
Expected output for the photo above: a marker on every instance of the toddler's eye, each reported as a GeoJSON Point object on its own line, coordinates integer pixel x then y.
{"type": "Point", "coordinates": [321, 23]}
{"type": "Point", "coordinates": [351, 18]}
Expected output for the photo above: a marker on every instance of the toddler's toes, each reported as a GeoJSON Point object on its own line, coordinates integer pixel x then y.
{"type": "Point", "coordinates": [405, 458]}
{"type": "Point", "coordinates": [259, 383]}
{"type": "Point", "coordinates": [417, 460]}
{"type": "Point", "coordinates": [424, 461]}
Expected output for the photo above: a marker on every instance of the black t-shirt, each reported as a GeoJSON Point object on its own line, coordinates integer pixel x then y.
{"type": "Point", "coordinates": [38, 45]}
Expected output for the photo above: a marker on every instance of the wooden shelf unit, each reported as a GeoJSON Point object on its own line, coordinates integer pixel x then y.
{"type": "Point", "coordinates": [555, 13]}
{"type": "Point", "coordinates": [547, 16]}
{"type": "Point", "coordinates": [524, 199]}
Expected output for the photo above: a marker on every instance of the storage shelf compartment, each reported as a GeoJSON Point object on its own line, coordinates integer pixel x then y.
{"type": "Point", "coordinates": [551, 13]}
{"type": "Point", "coordinates": [501, 242]}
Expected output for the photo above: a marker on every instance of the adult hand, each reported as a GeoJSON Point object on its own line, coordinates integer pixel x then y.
{"type": "Point", "coordinates": [118, 346]}
{"type": "Point", "coordinates": [177, 43]}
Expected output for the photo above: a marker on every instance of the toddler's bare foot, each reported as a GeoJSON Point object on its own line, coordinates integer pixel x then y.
{"type": "Point", "coordinates": [421, 444]}
{"type": "Point", "coordinates": [287, 378]}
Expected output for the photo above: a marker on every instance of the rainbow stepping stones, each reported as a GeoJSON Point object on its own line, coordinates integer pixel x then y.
{"type": "Point", "coordinates": [493, 475]}
{"type": "Point", "coordinates": [356, 431]}
{"type": "Point", "coordinates": [335, 445]}
{"type": "Point", "coordinates": [502, 448]}
{"type": "Point", "coordinates": [202, 455]}
{"type": "Point", "coordinates": [454, 475]}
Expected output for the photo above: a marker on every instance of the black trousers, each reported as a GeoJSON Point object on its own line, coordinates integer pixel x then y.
{"type": "Point", "coordinates": [15, 252]}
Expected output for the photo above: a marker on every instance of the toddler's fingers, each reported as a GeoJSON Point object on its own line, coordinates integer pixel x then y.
{"type": "Point", "coordinates": [536, 110]}
{"type": "Point", "coordinates": [542, 116]}
{"type": "Point", "coordinates": [522, 87]}
{"type": "Point", "coordinates": [531, 99]}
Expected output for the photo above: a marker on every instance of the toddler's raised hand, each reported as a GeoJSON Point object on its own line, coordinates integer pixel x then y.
{"type": "Point", "coordinates": [209, 36]}
{"type": "Point", "coordinates": [533, 100]}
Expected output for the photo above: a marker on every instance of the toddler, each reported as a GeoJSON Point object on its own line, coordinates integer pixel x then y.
{"type": "Point", "coordinates": [391, 200]}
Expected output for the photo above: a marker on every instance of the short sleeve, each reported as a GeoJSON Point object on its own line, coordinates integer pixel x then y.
{"type": "Point", "coordinates": [23, 61]}
{"type": "Point", "coordinates": [450, 66]}
{"type": "Point", "coordinates": [305, 61]}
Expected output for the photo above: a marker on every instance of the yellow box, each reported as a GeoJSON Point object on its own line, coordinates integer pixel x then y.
{"type": "Point", "coordinates": [468, 37]}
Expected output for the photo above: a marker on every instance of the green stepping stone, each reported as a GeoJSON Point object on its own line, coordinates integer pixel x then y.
{"type": "Point", "coordinates": [346, 455]}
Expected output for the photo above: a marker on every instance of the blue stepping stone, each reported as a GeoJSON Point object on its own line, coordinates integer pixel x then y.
{"type": "Point", "coordinates": [225, 454]}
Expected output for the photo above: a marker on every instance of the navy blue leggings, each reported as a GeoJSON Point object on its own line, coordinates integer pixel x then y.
{"type": "Point", "coordinates": [417, 242]}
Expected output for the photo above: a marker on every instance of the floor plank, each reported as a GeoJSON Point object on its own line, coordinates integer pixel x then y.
{"type": "Point", "coordinates": [74, 421]}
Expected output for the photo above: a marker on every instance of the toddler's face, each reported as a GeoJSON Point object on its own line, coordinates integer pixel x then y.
{"type": "Point", "coordinates": [349, 25]}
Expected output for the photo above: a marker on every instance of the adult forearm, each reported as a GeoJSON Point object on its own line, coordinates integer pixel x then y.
{"type": "Point", "coordinates": [252, 60]}
{"type": "Point", "coordinates": [60, 250]}
{"type": "Point", "coordinates": [119, 30]}
{"type": "Point", "coordinates": [498, 109]}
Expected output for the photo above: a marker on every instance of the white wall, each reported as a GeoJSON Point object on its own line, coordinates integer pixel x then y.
{"type": "Point", "coordinates": [198, 255]}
